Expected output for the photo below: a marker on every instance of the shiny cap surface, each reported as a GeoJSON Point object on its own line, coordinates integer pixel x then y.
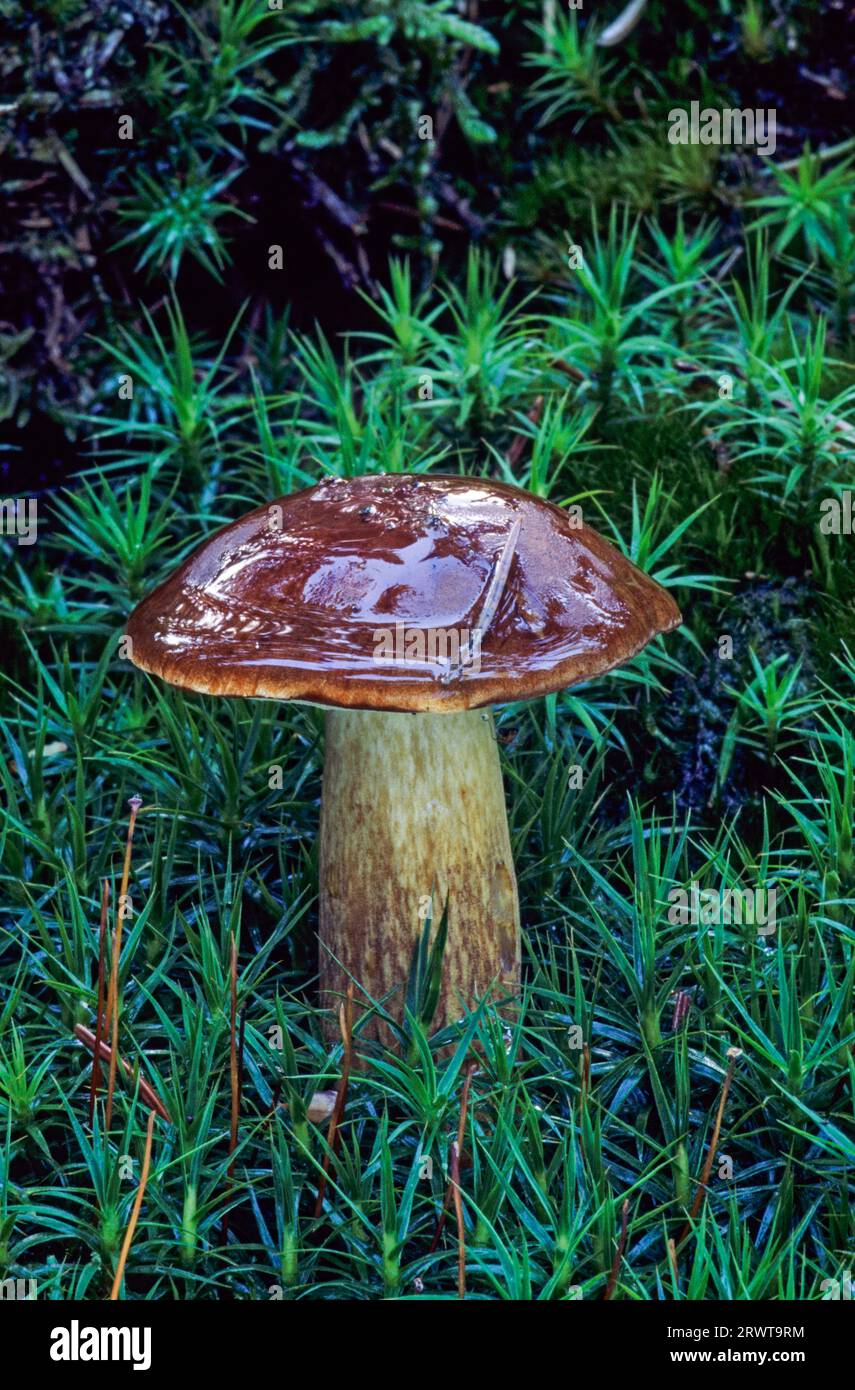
{"type": "Point", "coordinates": [399, 592]}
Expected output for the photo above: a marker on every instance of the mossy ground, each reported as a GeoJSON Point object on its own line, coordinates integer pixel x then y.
{"type": "Point", "coordinates": [689, 383]}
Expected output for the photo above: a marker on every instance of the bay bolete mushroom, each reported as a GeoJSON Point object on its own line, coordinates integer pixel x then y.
{"type": "Point", "coordinates": [406, 605]}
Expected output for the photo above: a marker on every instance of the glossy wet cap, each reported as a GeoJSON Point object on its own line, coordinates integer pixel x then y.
{"type": "Point", "coordinates": [399, 592]}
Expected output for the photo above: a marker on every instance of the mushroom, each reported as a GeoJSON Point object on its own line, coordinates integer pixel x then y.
{"type": "Point", "coordinates": [406, 605]}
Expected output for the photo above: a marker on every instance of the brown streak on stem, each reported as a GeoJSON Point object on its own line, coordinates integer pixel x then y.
{"type": "Point", "coordinates": [568, 369]}
{"type": "Point", "coordinates": [436, 220]}
{"type": "Point", "coordinates": [113, 1002]}
{"type": "Point", "coordinates": [135, 1211]}
{"type": "Point", "coordinates": [461, 1128]}
{"type": "Point", "coordinates": [233, 1060]}
{"type": "Point", "coordinates": [99, 1015]}
{"type": "Point", "coordinates": [149, 1095]}
{"type": "Point", "coordinates": [454, 1174]}
{"type": "Point", "coordinates": [702, 1185]}
{"type": "Point", "coordinates": [241, 1049]}
{"type": "Point", "coordinates": [624, 1223]}
{"type": "Point", "coordinates": [584, 1088]}
{"type": "Point", "coordinates": [346, 1026]}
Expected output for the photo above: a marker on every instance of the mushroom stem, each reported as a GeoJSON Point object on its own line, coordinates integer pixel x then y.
{"type": "Point", "coordinates": [413, 805]}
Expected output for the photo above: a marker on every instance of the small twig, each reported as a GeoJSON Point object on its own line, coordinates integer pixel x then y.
{"type": "Point", "coordinates": [499, 578]}
{"type": "Point", "coordinates": [113, 1002]}
{"type": "Point", "coordinates": [621, 1246]}
{"type": "Point", "coordinates": [728, 263]}
{"type": "Point", "coordinates": [495, 589]}
{"type": "Point", "coordinates": [622, 27]}
{"type": "Point", "coordinates": [345, 1018]}
{"type": "Point", "coordinates": [99, 1015]}
{"type": "Point", "coordinates": [70, 165]}
{"type": "Point", "coordinates": [828, 153]}
{"type": "Point", "coordinates": [135, 1211]}
{"type": "Point", "coordinates": [449, 194]}
{"type": "Point", "coordinates": [348, 272]}
{"type": "Point", "coordinates": [461, 1129]}
{"type": "Point", "coordinates": [568, 369]}
{"type": "Point", "coordinates": [733, 1053]}
{"type": "Point", "coordinates": [437, 220]}
{"type": "Point", "coordinates": [105, 1052]}
{"type": "Point", "coordinates": [321, 193]}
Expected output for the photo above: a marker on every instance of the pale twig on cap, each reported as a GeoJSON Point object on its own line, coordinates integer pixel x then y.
{"type": "Point", "coordinates": [495, 589]}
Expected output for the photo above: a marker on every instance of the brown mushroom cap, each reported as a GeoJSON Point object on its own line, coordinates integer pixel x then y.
{"type": "Point", "coordinates": [289, 601]}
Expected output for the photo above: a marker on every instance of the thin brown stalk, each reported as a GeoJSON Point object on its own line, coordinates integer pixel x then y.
{"type": "Point", "coordinates": [733, 1053]}
{"type": "Point", "coordinates": [454, 1173]}
{"type": "Point", "coordinates": [99, 1015]}
{"type": "Point", "coordinates": [436, 220]}
{"type": "Point", "coordinates": [584, 1089]}
{"type": "Point", "coordinates": [113, 1003]}
{"type": "Point", "coordinates": [233, 1061]}
{"type": "Point", "coordinates": [345, 1022]}
{"type": "Point", "coordinates": [621, 1246]}
{"type": "Point", "coordinates": [135, 1211]}
{"type": "Point", "coordinates": [461, 1130]}
{"type": "Point", "coordinates": [568, 369]}
{"type": "Point", "coordinates": [241, 1050]}
{"type": "Point", "coordinates": [149, 1095]}
{"type": "Point", "coordinates": [235, 1067]}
